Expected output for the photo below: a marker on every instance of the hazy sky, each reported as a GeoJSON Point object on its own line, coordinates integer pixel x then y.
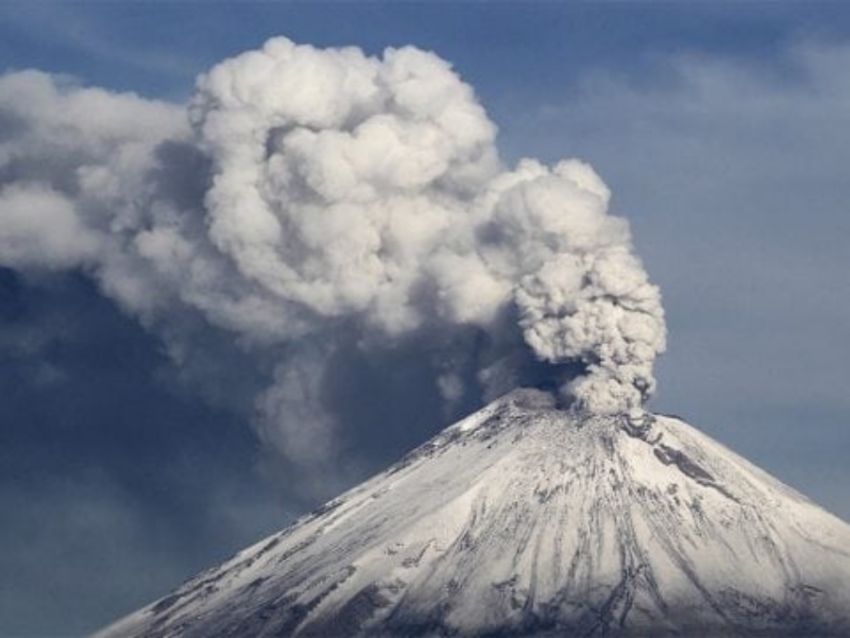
{"type": "Point", "coordinates": [723, 132]}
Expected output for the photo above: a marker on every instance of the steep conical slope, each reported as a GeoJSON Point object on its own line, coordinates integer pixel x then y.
{"type": "Point", "coordinates": [522, 520]}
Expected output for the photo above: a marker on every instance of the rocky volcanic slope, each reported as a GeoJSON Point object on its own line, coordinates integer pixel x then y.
{"type": "Point", "coordinates": [523, 520]}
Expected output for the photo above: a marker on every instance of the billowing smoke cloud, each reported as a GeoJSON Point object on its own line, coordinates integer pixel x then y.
{"type": "Point", "coordinates": [310, 202]}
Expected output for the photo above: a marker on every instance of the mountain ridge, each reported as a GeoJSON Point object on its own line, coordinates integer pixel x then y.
{"type": "Point", "coordinates": [524, 519]}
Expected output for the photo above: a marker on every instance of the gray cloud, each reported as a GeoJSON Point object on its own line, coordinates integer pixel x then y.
{"type": "Point", "coordinates": [734, 176]}
{"type": "Point", "coordinates": [315, 202]}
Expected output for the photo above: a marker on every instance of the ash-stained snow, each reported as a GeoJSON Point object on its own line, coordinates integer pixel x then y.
{"type": "Point", "coordinates": [525, 520]}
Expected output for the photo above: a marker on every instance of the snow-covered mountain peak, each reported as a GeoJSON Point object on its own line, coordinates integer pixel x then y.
{"type": "Point", "coordinates": [524, 519]}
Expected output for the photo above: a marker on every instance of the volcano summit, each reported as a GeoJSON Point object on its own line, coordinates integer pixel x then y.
{"type": "Point", "coordinates": [524, 519]}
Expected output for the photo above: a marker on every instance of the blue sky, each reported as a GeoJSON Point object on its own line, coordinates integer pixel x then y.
{"type": "Point", "coordinates": [722, 129]}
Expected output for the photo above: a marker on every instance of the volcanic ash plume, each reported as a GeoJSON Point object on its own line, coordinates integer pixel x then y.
{"type": "Point", "coordinates": [327, 197]}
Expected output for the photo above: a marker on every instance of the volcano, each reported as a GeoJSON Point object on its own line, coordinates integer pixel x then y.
{"type": "Point", "coordinates": [525, 519]}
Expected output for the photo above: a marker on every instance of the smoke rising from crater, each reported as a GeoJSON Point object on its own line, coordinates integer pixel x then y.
{"type": "Point", "coordinates": [310, 202]}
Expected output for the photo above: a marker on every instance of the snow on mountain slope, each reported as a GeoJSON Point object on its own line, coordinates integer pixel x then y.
{"type": "Point", "coordinates": [524, 520]}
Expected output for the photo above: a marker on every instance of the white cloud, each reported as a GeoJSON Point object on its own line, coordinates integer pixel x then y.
{"type": "Point", "coordinates": [316, 193]}
{"type": "Point", "coordinates": [40, 228]}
